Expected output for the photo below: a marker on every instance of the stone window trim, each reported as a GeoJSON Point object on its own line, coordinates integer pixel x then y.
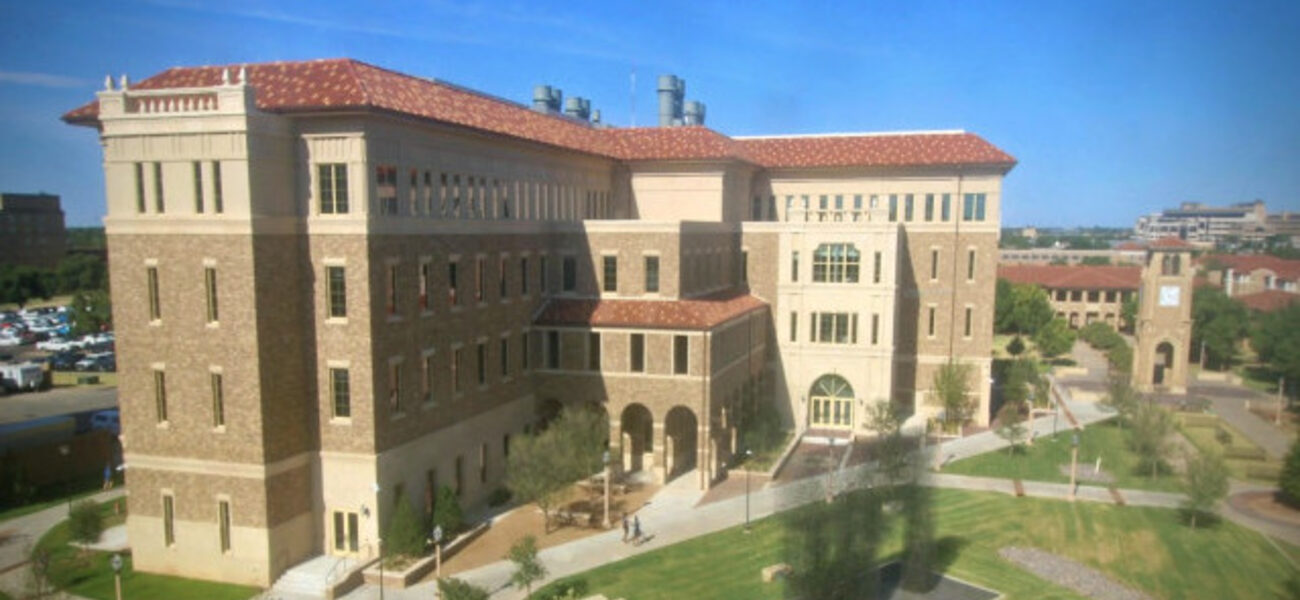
{"type": "Point", "coordinates": [153, 297]}
{"type": "Point", "coordinates": [326, 263]}
{"type": "Point", "coordinates": [330, 366]}
{"type": "Point", "coordinates": [646, 255]}
{"type": "Point", "coordinates": [606, 283]}
{"type": "Point", "coordinates": [392, 289]}
{"type": "Point", "coordinates": [225, 522]}
{"type": "Point", "coordinates": [425, 278]}
{"type": "Point", "coordinates": [216, 378]}
{"type": "Point", "coordinates": [972, 260]}
{"type": "Point", "coordinates": [211, 294]}
{"type": "Point", "coordinates": [397, 408]}
{"type": "Point", "coordinates": [159, 371]}
{"type": "Point", "coordinates": [935, 259]}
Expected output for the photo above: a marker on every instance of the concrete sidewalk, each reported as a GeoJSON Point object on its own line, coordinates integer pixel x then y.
{"type": "Point", "coordinates": [1229, 402]}
{"type": "Point", "coordinates": [21, 535]}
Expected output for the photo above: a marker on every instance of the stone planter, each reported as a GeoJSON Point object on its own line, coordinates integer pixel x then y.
{"type": "Point", "coordinates": [417, 570]}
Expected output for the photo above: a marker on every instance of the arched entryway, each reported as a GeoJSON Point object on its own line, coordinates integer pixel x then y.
{"type": "Point", "coordinates": [831, 405]}
{"type": "Point", "coordinates": [1164, 363]}
{"type": "Point", "coordinates": [681, 434]}
{"type": "Point", "coordinates": [637, 432]}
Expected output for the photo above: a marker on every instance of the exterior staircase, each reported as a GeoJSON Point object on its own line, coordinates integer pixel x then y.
{"type": "Point", "coordinates": [313, 578]}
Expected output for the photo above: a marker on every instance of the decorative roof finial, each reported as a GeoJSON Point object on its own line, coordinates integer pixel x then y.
{"type": "Point", "coordinates": [108, 83]}
{"type": "Point", "coordinates": [243, 75]}
{"type": "Point", "coordinates": [225, 76]}
{"type": "Point", "coordinates": [125, 82]}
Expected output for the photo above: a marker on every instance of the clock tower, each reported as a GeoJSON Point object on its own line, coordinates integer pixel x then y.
{"type": "Point", "coordinates": [1164, 319]}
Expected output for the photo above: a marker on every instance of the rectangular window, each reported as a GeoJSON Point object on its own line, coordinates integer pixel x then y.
{"type": "Point", "coordinates": [453, 284]}
{"type": "Point", "coordinates": [794, 326]}
{"type": "Point", "coordinates": [426, 378]}
{"type": "Point", "coordinates": [651, 274]}
{"type": "Point", "coordinates": [610, 269]}
{"type": "Point", "coordinates": [426, 283]}
{"type": "Point", "coordinates": [973, 207]}
{"type": "Point", "coordinates": [681, 354]}
{"type": "Point", "coordinates": [218, 202]}
{"type": "Point", "coordinates": [480, 275]}
{"type": "Point", "coordinates": [929, 207]}
{"type": "Point", "coordinates": [744, 266]}
{"type": "Point", "coordinates": [139, 188]}
{"type": "Point", "coordinates": [160, 395]}
{"type": "Point", "coordinates": [159, 203]}
{"type": "Point", "coordinates": [812, 327]}
{"type": "Point", "coordinates": [395, 387]}
{"type": "Point", "coordinates": [893, 207]}
{"type": "Point", "coordinates": [502, 269]}
{"type": "Point", "coordinates": [835, 263]}
{"type": "Point", "coordinates": [523, 276]}
{"type": "Point", "coordinates": [505, 357]}
{"type": "Point", "coordinates": [907, 207]}
{"type": "Point", "coordinates": [218, 400]}
{"type": "Point", "coordinates": [524, 350]}
{"type": "Point", "coordinates": [169, 520]}
{"type": "Point", "coordinates": [338, 292]}
{"type": "Point", "coordinates": [968, 321]}
{"type": "Point", "coordinates": [340, 393]}
{"type": "Point", "coordinates": [482, 463]}
{"type": "Point", "coordinates": [456, 356]}
{"type": "Point", "coordinates": [198, 187]}
{"type": "Point", "coordinates": [946, 213]}
{"type": "Point", "coordinates": [570, 273]}
{"type": "Point", "coordinates": [155, 306]}
{"type": "Point", "coordinates": [593, 351]}
{"type": "Point", "coordinates": [552, 349]}
{"type": "Point", "coordinates": [210, 289]}
{"type": "Point", "coordinates": [333, 188]}
{"type": "Point", "coordinates": [223, 524]}
{"type": "Point", "coordinates": [934, 265]}
{"type": "Point", "coordinates": [543, 270]}
{"type": "Point", "coordinates": [386, 189]}
{"type": "Point", "coordinates": [970, 265]}
{"type": "Point", "coordinates": [794, 266]}
{"type": "Point", "coordinates": [482, 364]}
{"type": "Point", "coordinates": [875, 268]}
{"type": "Point", "coordinates": [930, 325]}
{"type": "Point", "coordinates": [637, 358]}
{"type": "Point", "coordinates": [875, 329]}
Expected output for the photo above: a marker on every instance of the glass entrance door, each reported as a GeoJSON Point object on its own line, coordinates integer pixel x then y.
{"type": "Point", "coordinates": [345, 532]}
{"type": "Point", "coordinates": [832, 403]}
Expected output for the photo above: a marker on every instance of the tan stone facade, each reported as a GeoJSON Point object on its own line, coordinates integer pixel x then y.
{"type": "Point", "coordinates": [1164, 320]}
{"type": "Point", "coordinates": [319, 311]}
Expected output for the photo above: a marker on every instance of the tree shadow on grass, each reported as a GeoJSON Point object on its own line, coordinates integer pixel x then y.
{"type": "Point", "coordinates": [1197, 519]}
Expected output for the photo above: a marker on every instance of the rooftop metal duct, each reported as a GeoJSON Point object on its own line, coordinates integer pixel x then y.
{"type": "Point", "coordinates": [547, 99]}
{"type": "Point", "coordinates": [672, 91]}
{"type": "Point", "coordinates": [694, 113]}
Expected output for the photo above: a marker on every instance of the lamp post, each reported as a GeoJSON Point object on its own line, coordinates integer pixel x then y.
{"type": "Point", "coordinates": [381, 567]}
{"type": "Point", "coordinates": [116, 562]}
{"type": "Point", "coordinates": [605, 458]}
{"type": "Point", "coordinates": [748, 453]}
{"type": "Point", "coordinates": [1074, 462]}
{"type": "Point", "coordinates": [830, 470]}
{"type": "Point", "coordinates": [437, 550]}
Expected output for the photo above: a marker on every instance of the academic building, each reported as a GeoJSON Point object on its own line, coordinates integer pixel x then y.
{"type": "Point", "coordinates": [335, 284]}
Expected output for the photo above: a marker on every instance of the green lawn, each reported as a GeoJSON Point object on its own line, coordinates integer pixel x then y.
{"type": "Point", "coordinates": [88, 574]}
{"type": "Point", "coordinates": [1206, 439]}
{"type": "Point", "coordinates": [69, 378]}
{"type": "Point", "coordinates": [1042, 461]}
{"type": "Point", "coordinates": [73, 491]}
{"type": "Point", "coordinates": [1145, 548]}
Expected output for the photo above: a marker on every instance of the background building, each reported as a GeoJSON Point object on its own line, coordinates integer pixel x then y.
{"type": "Point", "coordinates": [338, 285]}
{"type": "Point", "coordinates": [1081, 294]}
{"type": "Point", "coordinates": [1207, 225]}
{"type": "Point", "coordinates": [31, 230]}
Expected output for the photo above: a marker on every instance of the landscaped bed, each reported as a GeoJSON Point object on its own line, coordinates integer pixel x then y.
{"type": "Point", "coordinates": [1147, 549]}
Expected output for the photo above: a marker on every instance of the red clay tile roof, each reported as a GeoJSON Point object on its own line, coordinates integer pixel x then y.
{"type": "Point", "coordinates": [346, 84]}
{"type": "Point", "coordinates": [1170, 242]}
{"type": "Point", "coordinates": [1082, 277]}
{"type": "Point", "coordinates": [1130, 246]}
{"type": "Point", "coordinates": [1268, 300]}
{"type": "Point", "coordinates": [1281, 267]}
{"type": "Point", "coordinates": [694, 314]}
{"type": "Point", "coordinates": [957, 148]}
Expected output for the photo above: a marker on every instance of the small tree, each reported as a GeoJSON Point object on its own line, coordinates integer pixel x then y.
{"type": "Point", "coordinates": [892, 451]}
{"type": "Point", "coordinates": [1288, 481]}
{"type": "Point", "coordinates": [1011, 425]}
{"type": "Point", "coordinates": [405, 535]}
{"type": "Point", "coordinates": [1205, 483]}
{"type": "Point", "coordinates": [545, 464]}
{"type": "Point", "coordinates": [447, 513]}
{"type": "Point", "coordinates": [1149, 438]}
{"type": "Point", "coordinates": [1122, 398]}
{"type": "Point", "coordinates": [85, 523]}
{"type": "Point", "coordinates": [918, 539]}
{"type": "Point", "coordinates": [1128, 312]}
{"type": "Point", "coordinates": [528, 569]}
{"type": "Point", "coordinates": [951, 386]}
{"type": "Point", "coordinates": [1055, 338]}
{"type": "Point", "coordinates": [1016, 347]}
{"type": "Point", "coordinates": [457, 589]}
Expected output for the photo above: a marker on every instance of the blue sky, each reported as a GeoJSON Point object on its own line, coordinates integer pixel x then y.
{"type": "Point", "coordinates": [1114, 109]}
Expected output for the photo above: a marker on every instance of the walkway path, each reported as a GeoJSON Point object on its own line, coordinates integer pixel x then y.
{"type": "Point", "coordinates": [19, 534]}
{"type": "Point", "coordinates": [1229, 402]}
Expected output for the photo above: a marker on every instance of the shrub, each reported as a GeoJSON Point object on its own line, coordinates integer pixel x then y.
{"type": "Point", "coordinates": [564, 589]}
{"type": "Point", "coordinates": [498, 497]}
{"type": "Point", "coordinates": [1289, 480]}
{"type": "Point", "coordinates": [1016, 347]}
{"type": "Point", "coordinates": [447, 513]}
{"type": "Point", "coordinates": [457, 589]}
{"type": "Point", "coordinates": [85, 523]}
{"type": "Point", "coordinates": [405, 535]}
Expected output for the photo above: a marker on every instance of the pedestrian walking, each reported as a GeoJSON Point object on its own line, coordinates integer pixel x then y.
{"type": "Point", "coordinates": [624, 528]}
{"type": "Point", "coordinates": [108, 477]}
{"type": "Point", "coordinates": [636, 529]}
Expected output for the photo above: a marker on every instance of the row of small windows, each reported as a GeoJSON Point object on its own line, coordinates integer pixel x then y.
{"type": "Point", "coordinates": [832, 207]}
{"type": "Point", "coordinates": [453, 196]}
{"type": "Point", "coordinates": [968, 321]}
{"type": "Point", "coordinates": [216, 386]}
{"type": "Point", "coordinates": [834, 328]}
{"type": "Point", "coordinates": [552, 352]}
{"type": "Point", "coordinates": [211, 313]}
{"type": "Point", "coordinates": [836, 263]}
{"type": "Point", "coordinates": [204, 198]}
{"type": "Point", "coordinates": [1091, 295]}
{"type": "Point", "coordinates": [169, 522]}
{"type": "Point", "coordinates": [934, 264]}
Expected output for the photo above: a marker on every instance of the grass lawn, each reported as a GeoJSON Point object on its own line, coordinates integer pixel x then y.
{"type": "Point", "coordinates": [1145, 548]}
{"type": "Point", "coordinates": [1205, 439]}
{"type": "Point", "coordinates": [1043, 461]}
{"type": "Point", "coordinates": [88, 574]}
{"type": "Point", "coordinates": [69, 378]}
{"type": "Point", "coordinates": [80, 490]}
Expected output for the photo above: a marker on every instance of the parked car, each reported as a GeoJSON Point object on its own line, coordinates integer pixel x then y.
{"type": "Point", "coordinates": [21, 377]}
{"type": "Point", "coordinates": [65, 361]}
{"type": "Point", "coordinates": [103, 361]}
{"type": "Point", "coordinates": [58, 344]}
{"type": "Point", "coordinates": [107, 420]}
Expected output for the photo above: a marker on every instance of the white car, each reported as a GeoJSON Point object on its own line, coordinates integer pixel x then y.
{"type": "Point", "coordinates": [58, 345]}
{"type": "Point", "coordinates": [10, 340]}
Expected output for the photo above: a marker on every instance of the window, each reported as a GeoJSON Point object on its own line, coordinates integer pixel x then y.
{"type": "Point", "coordinates": [875, 329]}
{"type": "Point", "coordinates": [395, 386]}
{"type": "Point", "coordinates": [340, 393]}
{"type": "Point", "coordinates": [198, 187]}
{"type": "Point", "coordinates": [223, 524]}
{"type": "Point", "coordinates": [681, 355]}
{"type": "Point", "coordinates": [552, 349]}
{"type": "Point", "coordinates": [218, 400]}
{"type": "Point", "coordinates": [501, 279]}
{"type": "Point", "coordinates": [523, 276]}
{"type": "Point", "coordinates": [169, 520]}
{"type": "Point", "coordinates": [934, 265]}
{"type": "Point", "coordinates": [426, 378]}
{"type": "Point", "coordinates": [482, 364]}
{"type": "Point", "coordinates": [524, 350]}
{"type": "Point", "coordinates": [210, 287]}
{"type": "Point", "coordinates": [482, 463]}
{"type": "Point", "coordinates": [139, 188]}
{"type": "Point", "coordinates": [386, 189]}
{"type": "Point", "coordinates": [970, 265]}
{"type": "Point", "coordinates": [453, 284]}
{"type": "Point", "coordinates": [907, 207]}
{"type": "Point", "coordinates": [505, 357]}
{"type": "Point", "coordinates": [456, 357]}
{"type": "Point", "coordinates": [929, 207]}
{"type": "Point", "coordinates": [155, 306]}
{"type": "Point", "coordinates": [159, 203]}
{"type": "Point", "coordinates": [426, 283]}
{"type": "Point", "coordinates": [505, 445]}
{"type": "Point", "coordinates": [460, 474]}
{"type": "Point", "coordinates": [543, 269]}
{"type": "Point", "coordinates": [834, 328]}
{"type": "Point", "coordinates": [333, 189]}
{"type": "Point", "coordinates": [930, 327]}
{"type": "Point", "coordinates": [160, 395]}
{"type": "Point", "coordinates": [570, 273]}
{"type": "Point", "coordinates": [338, 292]}
{"type": "Point", "coordinates": [875, 268]}
{"type": "Point", "coordinates": [637, 358]}
{"type": "Point", "coordinates": [651, 274]}
{"type": "Point", "coordinates": [218, 202]}
{"type": "Point", "coordinates": [947, 207]}
{"type": "Point", "coordinates": [610, 268]}
{"type": "Point", "coordinates": [968, 322]}
{"type": "Point", "coordinates": [794, 326]}
{"type": "Point", "coordinates": [835, 263]}
{"type": "Point", "coordinates": [593, 351]}
{"type": "Point", "coordinates": [480, 273]}
{"type": "Point", "coordinates": [973, 207]}
{"type": "Point", "coordinates": [893, 207]}
{"type": "Point", "coordinates": [794, 266]}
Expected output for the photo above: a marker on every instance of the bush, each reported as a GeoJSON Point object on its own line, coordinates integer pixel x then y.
{"type": "Point", "coordinates": [85, 523]}
{"type": "Point", "coordinates": [447, 513]}
{"type": "Point", "coordinates": [1289, 480]}
{"type": "Point", "coordinates": [456, 589]}
{"type": "Point", "coordinates": [564, 589]}
{"type": "Point", "coordinates": [1016, 347]}
{"type": "Point", "coordinates": [498, 497]}
{"type": "Point", "coordinates": [405, 535]}
{"type": "Point", "coordinates": [1100, 335]}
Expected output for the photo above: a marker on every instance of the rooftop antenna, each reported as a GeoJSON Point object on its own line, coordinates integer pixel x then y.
{"type": "Point", "coordinates": [631, 94]}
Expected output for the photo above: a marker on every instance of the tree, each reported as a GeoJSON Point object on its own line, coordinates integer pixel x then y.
{"type": "Point", "coordinates": [457, 589]}
{"type": "Point", "coordinates": [1220, 323]}
{"type": "Point", "coordinates": [1021, 308]}
{"type": "Point", "coordinates": [1288, 481]}
{"type": "Point", "coordinates": [20, 283]}
{"type": "Point", "coordinates": [1002, 305]}
{"type": "Point", "coordinates": [1011, 424]}
{"type": "Point", "coordinates": [1121, 397]}
{"type": "Point", "coordinates": [85, 522]}
{"type": "Point", "coordinates": [1016, 346]}
{"type": "Point", "coordinates": [1096, 260]}
{"type": "Point", "coordinates": [406, 535]}
{"type": "Point", "coordinates": [1205, 483]}
{"type": "Point", "coordinates": [1277, 343]}
{"type": "Point", "coordinates": [447, 513]}
{"type": "Point", "coordinates": [951, 386]}
{"type": "Point", "coordinates": [528, 568]}
{"type": "Point", "coordinates": [1128, 312]}
{"type": "Point", "coordinates": [545, 464]}
{"type": "Point", "coordinates": [81, 272]}
{"type": "Point", "coordinates": [1149, 437]}
{"type": "Point", "coordinates": [90, 312]}
{"type": "Point", "coordinates": [886, 419]}
{"type": "Point", "coordinates": [1055, 338]}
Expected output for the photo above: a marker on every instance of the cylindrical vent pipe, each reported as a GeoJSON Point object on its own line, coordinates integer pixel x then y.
{"type": "Point", "coordinates": [694, 113]}
{"type": "Point", "coordinates": [542, 98]}
{"type": "Point", "coordinates": [578, 108]}
{"type": "Point", "coordinates": [671, 92]}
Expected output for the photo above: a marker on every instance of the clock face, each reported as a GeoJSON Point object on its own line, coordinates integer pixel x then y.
{"type": "Point", "coordinates": [1169, 295]}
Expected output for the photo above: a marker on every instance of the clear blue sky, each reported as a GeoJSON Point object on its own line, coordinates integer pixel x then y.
{"type": "Point", "coordinates": [1114, 109]}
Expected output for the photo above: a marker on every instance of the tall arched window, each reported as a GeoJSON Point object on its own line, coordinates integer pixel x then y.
{"type": "Point", "coordinates": [831, 404]}
{"type": "Point", "coordinates": [836, 263]}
